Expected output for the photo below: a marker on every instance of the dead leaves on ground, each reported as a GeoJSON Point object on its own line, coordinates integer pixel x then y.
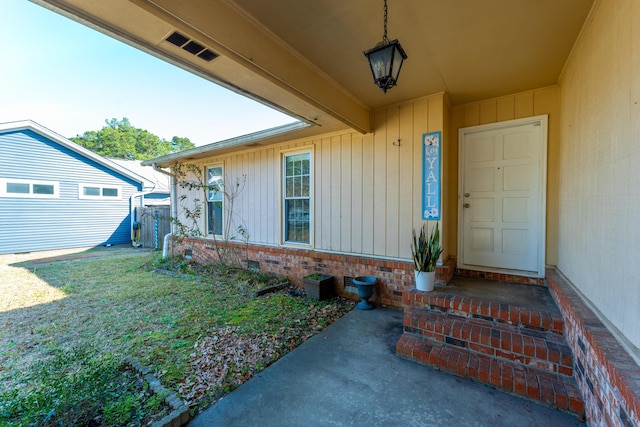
{"type": "Point", "coordinates": [226, 359]}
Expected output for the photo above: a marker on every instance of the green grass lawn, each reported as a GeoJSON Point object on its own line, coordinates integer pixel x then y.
{"type": "Point", "coordinates": [66, 326]}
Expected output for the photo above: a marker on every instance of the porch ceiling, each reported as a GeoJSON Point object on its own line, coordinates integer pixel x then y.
{"type": "Point", "coordinates": [305, 57]}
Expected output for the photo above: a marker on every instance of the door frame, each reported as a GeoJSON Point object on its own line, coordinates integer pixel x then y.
{"type": "Point", "coordinates": [543, 121]}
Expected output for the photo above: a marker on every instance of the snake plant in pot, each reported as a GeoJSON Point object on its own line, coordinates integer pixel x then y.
{"type": "Point", "coordinates": [426, 249]}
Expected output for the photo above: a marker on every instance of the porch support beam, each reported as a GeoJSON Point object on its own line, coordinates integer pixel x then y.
{"type": "Point", "coordinates": [253, 61]}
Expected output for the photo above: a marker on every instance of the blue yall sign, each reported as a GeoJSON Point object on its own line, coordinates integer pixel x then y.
{"type": "Point", "coordinates": [431, 176]}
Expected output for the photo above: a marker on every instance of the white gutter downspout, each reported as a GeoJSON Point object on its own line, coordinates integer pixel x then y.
{"type": "Point", "coordinates": [174, 209]}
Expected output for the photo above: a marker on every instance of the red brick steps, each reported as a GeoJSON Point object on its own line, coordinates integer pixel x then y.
{"type": "Point", "coordinates": [483, 309]}
{"type": "Point", "coordinates": [529, 347]}
{"type": "Point", "coordinates": [519, 350]}
{"type": "Point", "coordinates": [511, 377]}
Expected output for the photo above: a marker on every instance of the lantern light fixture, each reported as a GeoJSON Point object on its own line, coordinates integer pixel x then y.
{"type": "Point", "coordinates": [385, 59]}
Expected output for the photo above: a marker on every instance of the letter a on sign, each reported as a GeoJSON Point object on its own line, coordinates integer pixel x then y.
{"type": "Point", "coordinates": [431, 176]}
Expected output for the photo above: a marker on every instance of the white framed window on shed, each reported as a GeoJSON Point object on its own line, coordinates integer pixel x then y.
{"type": "Point", "coordinates": [25, 188]}
{"type": "Point", "coordinates": [101, 192]}
{"type": "Point", "coordinates": [215, 200]}
{"type": "Point", "coordinates": [296, 203]}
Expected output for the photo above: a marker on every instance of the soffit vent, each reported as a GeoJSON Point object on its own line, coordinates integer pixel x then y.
{"type": "Point", "coordinates": [191, 46]}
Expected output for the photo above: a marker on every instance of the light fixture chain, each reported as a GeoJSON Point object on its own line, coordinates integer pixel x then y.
{"type": "Point", "coordinates": [384, 38]}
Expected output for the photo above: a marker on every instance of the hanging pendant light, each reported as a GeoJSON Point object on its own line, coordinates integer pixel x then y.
{"type": "Point", "coordinates": [385, 59]}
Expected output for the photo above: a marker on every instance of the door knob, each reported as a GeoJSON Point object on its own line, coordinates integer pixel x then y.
{"type": "Point", "coordinates": [467, 205]}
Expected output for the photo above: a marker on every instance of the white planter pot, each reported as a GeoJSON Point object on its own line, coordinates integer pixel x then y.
{"type": "Point", "coordinates": [425, 280]}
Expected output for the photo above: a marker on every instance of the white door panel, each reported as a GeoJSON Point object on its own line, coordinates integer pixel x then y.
{"type": "Point", "coordinates": [502, 198]}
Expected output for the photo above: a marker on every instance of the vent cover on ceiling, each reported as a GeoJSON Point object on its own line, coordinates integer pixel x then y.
{"type": "Point", "coordinates": [191, 46]}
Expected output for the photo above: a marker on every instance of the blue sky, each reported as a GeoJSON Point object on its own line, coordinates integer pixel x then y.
{"type": "Point", "coordinates": [70, 79]}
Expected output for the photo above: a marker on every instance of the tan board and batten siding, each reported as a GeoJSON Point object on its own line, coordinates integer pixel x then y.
{"type": "Point", "coordinates": [599, 239]}
{"type": "Point", "coordinates": [366, 195]}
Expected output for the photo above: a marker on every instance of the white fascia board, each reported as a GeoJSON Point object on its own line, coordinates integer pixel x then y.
{"type": "Point", "coordinates": [239, 141]}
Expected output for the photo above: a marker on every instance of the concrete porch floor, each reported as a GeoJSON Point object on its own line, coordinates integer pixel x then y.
{"type": "Point", "coordinates": [349, 375]}
{"type": "Point", "coordinates": [530, 296]}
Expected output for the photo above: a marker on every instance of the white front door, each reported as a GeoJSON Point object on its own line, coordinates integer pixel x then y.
{"type": "Point", "coordinates": [502, 196]}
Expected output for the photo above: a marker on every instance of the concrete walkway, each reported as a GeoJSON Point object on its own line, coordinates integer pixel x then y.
{"type": "Point", "coordinates": [349, 375]}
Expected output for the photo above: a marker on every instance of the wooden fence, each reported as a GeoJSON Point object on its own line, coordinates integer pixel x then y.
{"type": "Point", "coordinates": [155, 223]}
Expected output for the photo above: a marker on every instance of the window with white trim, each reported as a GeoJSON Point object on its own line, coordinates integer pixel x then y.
{"type": "Point", "coordinates": [296, 172]}
{"type": "Point", "coordinates": [215, 200]}
{"type": "Point", "coordinates": [96, 191]}
{"type": "Point", "coordinates": [26, 188]}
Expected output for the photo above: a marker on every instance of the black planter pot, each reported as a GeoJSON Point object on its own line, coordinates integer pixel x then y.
{"type": "Point", "coordinates": [320, 288]}
{"type": "Point", "coordinates": [365, 286]}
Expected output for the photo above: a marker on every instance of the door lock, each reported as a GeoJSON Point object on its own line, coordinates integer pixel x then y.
{"type": "Point", "coordinates": [466, 194]}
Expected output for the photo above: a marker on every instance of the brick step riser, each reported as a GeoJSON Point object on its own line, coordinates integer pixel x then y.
{"type": "Point", "coordinates": [552, 390]}
{"type": "Point", "coordinates": [545, 351]}
{"type": "Point", "coordinates": [473, 308]}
